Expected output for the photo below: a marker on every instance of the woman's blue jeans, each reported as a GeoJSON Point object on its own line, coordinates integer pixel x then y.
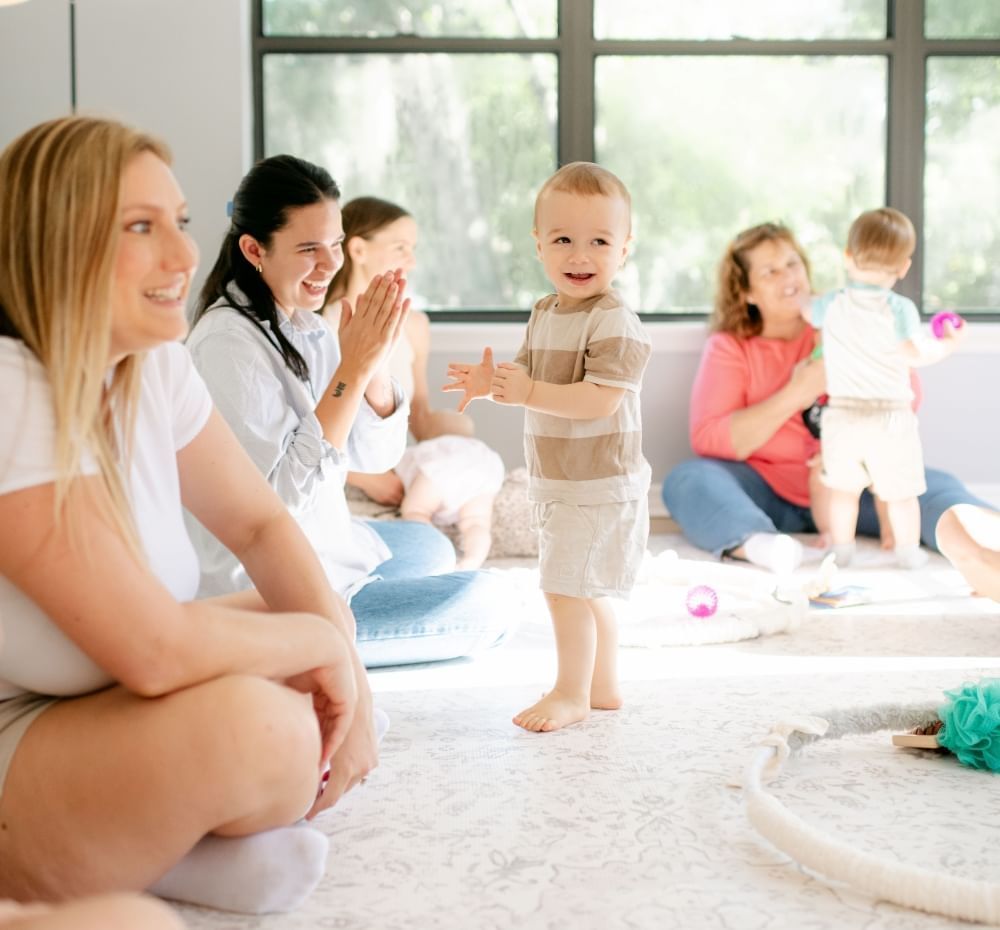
{"type": "Point", "coordinates": [419, 610]}
{"type": "Point", "coordinates": [720, 504]}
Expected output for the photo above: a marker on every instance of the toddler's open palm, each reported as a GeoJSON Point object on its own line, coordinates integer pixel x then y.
{"type": "Point", "coordinates": [474, 380]}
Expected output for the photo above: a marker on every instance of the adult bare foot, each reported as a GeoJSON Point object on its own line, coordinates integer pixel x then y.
{"type": "Point", "coordinates": [553, 712]}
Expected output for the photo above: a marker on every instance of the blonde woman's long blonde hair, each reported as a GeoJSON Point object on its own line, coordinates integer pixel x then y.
{"type": "Point", "coordinates": [60, 188]}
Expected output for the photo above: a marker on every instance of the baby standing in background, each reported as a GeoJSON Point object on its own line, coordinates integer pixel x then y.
{"type": "Point", "coordinates": [447, 477]}
{"type": "Point", "coordinates": [870, 438]}
{"type": "Point", "coordinates": [578, 375]}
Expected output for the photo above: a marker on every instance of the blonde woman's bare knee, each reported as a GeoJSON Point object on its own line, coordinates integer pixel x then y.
{"type": "Point", "coordinates": [108, 791]}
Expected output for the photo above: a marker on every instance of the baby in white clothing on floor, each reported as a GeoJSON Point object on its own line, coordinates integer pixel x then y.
{"type": "Point", "coordinates": [453, 481]}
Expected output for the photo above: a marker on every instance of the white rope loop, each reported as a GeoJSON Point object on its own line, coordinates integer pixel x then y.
{"type": "Point", "coordinates": [906, 885]}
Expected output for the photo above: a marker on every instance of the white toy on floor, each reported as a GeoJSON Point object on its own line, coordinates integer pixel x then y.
{"type": "Point", "coordinates": [748, 604]}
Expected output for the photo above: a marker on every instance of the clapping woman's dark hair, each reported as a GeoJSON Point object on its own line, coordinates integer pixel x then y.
{"type": "Point", "coordinates": [261, 205]}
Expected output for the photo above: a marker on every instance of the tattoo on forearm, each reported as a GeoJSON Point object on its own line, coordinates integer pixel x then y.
{"type": "Point", "coordinates": [339, 389]}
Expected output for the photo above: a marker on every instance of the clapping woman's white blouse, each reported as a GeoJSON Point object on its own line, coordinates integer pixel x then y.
{"type": "Point", "coordinates": [272, 414]}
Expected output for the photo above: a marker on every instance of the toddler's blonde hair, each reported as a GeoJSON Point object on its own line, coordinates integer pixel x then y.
{"type": "Point", "coordinates": [588, 180]}
{"type": "Point", "coordinates": [881, 239]}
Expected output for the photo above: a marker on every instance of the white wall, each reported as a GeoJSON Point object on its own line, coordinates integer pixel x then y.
{"type": "Point", "coordinates": [959, 416]}
{"type": "Point", "coordinates": [34, 65]}
{"type": "Point", "coordinates": [177, 68]}
{"type": "Point", "coordinates": [181, 68]}
{"type": "Point", "coordinates": [676, 349]}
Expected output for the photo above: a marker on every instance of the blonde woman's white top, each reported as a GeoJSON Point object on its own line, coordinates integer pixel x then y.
{"type": "Point", "coordinates": [174, 406]}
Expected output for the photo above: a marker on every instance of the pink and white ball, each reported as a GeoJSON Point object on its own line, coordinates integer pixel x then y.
{"type": "Point", "coordinates": [702, 601]}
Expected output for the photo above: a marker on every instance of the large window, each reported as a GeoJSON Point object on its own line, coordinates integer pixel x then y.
{"type": "Point", "coordinates": [716, 115]}
{"type": "Point", "coordinates": [962, 184]}
{"type": "Point", "coordinates": [743, 141]}
{"type": "Point", "coordinates": [422, 130]}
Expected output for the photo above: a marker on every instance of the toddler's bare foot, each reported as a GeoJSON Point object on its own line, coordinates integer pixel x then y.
{"type": "Point", "coordinates": [608, 698]}
{"type": "Point", "coordinates": [553, 712]}
{"type": "Point", "coordinates": [605, 694]}
{"type": "Point", "coordinates": [605, 698]}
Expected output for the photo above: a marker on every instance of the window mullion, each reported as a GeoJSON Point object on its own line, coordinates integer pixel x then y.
{"type": "Point", "coordinates": [257, 63]}
{"type": "Point", "coordinates": [576, 81]}
{"type": "Point", "coordinates": [905, 142]}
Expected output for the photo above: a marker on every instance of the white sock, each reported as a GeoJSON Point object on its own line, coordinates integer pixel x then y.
{"type": "Point", "coordinates": [381, 719]}
{"type": "Point", "coordinates": [263, 873]}
{"type": "Point", "coordinates": [843, 554]}
{"type": "Point", "coordinates": [813, 555]}
{"type": "Point", "coordinates": [774, 551]}
{"type": "Point", "coordinates": [911, 557]}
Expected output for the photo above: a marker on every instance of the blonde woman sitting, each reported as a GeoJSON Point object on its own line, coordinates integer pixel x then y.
{"type": "Point", "coordinates": [147, 740]}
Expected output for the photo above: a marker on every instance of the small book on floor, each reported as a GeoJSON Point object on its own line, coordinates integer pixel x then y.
{"type": "Point", "coordinates": [847, 596]}
{"type": "Point", "coordinates": [916, 741]}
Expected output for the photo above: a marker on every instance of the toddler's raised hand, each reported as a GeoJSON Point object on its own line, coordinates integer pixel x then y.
{"type": "Point", "coordinates": [474, 380]}
{"type": "Point", "coordinates": [953, 332]}
{"type": "Point", "coordinates": [511, 384]}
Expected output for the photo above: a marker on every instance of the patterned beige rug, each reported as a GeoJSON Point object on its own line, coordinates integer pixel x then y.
{"type": "Point", "coordinates": [626, 820]}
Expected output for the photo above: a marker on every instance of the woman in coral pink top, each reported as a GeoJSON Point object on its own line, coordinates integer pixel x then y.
{"type": "Point", "coordinates": [749, 487]}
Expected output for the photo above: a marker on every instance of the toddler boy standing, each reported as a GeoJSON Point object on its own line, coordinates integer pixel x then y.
{"type": "Point", "coordinates": [578, 375]}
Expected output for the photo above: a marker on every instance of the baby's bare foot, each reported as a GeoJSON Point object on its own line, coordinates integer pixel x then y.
{"type": "Point", "coordinates": [553, 712]}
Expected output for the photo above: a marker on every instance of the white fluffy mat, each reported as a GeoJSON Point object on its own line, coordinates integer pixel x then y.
{"type": "Point", "coordinates": [749, 603]}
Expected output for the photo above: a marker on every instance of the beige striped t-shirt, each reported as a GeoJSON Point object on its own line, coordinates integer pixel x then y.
{"type": "Point", "coordinates": [586, 461]}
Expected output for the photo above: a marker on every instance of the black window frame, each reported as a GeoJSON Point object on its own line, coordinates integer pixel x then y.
{"type": "Point", "coordinates": [905, 48]}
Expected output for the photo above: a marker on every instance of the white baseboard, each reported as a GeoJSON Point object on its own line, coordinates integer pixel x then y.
{"type": "Point", "coordinates": [676, 336]}
{"type": "Point", "coordinates": [656, 506]}
{"type": "Point", "coordinates": [988, 492]}
{"type": "Point", "coordinates": [686, 336]}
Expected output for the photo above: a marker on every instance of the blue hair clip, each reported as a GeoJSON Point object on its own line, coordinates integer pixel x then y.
{"type": "Point", "coordinates": [229, 208]}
